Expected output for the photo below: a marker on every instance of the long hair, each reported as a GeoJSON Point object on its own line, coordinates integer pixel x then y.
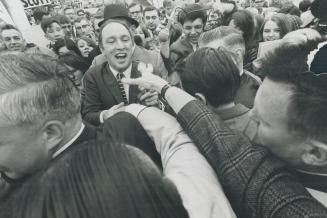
{"type": "Point", "coordinates": [101, 179]}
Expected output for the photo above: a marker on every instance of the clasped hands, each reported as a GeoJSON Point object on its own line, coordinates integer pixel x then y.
{"type": "Point", "coordinates": [147, 81]}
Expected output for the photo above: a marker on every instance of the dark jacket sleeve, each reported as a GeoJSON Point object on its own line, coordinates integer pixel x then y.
{"type": "Point", "coordinates": [125, 128]}
{"type": "Point", "coordinates": [91, 101]}
{"type": "Point", "coordinates": [257, 184]}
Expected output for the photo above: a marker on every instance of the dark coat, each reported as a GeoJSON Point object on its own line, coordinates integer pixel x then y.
{"type": "Point", "coordinates": [101, 91]}
{"type": "Point", "coordinates": [257, 184]}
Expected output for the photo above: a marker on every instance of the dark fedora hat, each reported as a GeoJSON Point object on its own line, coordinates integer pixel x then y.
{"type": "Point", "coordinates": [117, 11]}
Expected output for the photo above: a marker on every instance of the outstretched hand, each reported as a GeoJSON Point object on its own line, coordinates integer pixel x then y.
{"type": "Point", "coordinates": [148, 80]}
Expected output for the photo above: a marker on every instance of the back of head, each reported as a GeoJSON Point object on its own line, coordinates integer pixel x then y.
{"type": "Point", "coordinates": [304, 5]}
{"type": "Point", "coordinates": [192, 12]}
{"type": "Point", "coordinates": [308, 105]}
{"type": "Point", "coordinates": [212, 73]}
{"type": "Point", "coordinates": [75, 61]}
{"type": "Point", "coordinates": [225, 36]}
{"type": "Point", "coordinates": [244, 21]}
{"type": "Point", "coordinates": [101, 179]}
{"type": "Point", "coordinates": [35, 89]}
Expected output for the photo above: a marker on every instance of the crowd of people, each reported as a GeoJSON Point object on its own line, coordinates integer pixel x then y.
{"type": "Point", "coordinates": [199, 110]}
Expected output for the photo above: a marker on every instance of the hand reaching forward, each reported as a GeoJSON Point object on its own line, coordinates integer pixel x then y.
{"type": "Point", "coordinates": [148, 80]}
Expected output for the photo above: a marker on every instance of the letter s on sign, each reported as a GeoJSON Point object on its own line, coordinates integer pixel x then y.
{"type": "Point", "coordinates": [25, 4]}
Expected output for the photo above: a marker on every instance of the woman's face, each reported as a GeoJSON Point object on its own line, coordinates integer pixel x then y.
{"type": "Point", "coordinates": [84, 47]}
{"type": "Point", "coordinates": [271, 31]}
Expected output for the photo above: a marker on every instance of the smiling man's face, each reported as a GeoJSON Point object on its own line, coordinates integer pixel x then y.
{"type": "Point", "coordinates": [13, 40]}
{"type": "Point", "coordinates": [117, 45]}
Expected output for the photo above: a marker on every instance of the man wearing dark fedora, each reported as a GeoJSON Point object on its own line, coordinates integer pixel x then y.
{"type": "Point", "coordinates": [104, 94]}
{"type": "Point", "coordinates": [119, 12]}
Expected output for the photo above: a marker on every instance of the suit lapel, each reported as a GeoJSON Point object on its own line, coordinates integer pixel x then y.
{"type": "Point", "coordinates": [133, 89]}
{"type": "Point", "coordinates": [113, 87]}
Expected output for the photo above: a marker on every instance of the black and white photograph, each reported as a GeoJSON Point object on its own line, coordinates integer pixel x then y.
{"type": "Point", "coordinates": [163, 108]}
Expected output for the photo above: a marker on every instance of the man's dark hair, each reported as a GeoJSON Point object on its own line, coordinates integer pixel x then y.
{"type": "Point", "coordinates": [212, 73]}
{"type": "Point", "coordinates": [192, 12]}
{"type": "Point", "coordinates": [46, 23]}
{"type": "Point", "coordinates": [151, 8]}
{"type": "Point", "coordinates": [9, 27]}
{"type": "Point", "coordinates": [307, 115]}
{"type": "Point", "coordinates": [134, 4]}
{"type": "Point", "coordinates": [39, 13]}
{"type": "Point", "coordinates": [75, 61]}
{"type": "Point", "coordinates": [304, 5]}
{"type": "Point", "coordinates": [243, 19]}
{"type": "Point", "coordinates": [67, 8]}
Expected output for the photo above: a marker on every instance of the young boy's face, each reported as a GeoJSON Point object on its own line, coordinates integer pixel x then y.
{"type": "Point", "coordinates": [54, 32]}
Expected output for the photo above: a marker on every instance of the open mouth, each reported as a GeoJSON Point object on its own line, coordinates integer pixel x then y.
{"type": "Point", "coordinates": [121, 56]}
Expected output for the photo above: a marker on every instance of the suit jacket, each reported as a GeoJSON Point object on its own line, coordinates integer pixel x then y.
{"type": "Point", "coordinates": [101, 91]}
{"type": "Point", "coordinates": [121, 128]}
{"type": "Point", "coordinates": [257, 184]}
{"type": "Point", "coordinates": [144, 55]}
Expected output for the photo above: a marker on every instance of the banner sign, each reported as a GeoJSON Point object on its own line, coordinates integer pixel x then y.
{"type": "Point", "coordinates": [35, 3]}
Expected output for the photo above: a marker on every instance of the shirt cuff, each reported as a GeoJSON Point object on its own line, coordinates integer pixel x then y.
{"type": "Point", "coordinates": [135, 109]}
{"type": "Point", "coordinates": [177, 98]}
{"type": "Point", "coordinates": [101, 117]}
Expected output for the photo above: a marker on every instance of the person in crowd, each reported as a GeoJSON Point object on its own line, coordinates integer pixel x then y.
{"type": "Point", "coordinates": [288, 114]}
{"type": "Point", "coordinates": [151, 20]}
{"type": "Point", "coordinates": [211, 76]}
{"type": "Point", "coordinates": [104, 92]}
{"type": "Point", "coordinates": [119, 12]}
{"type": "Point", "coordinates": [52, 30]}
{"type": "Point", "coordinates": [232, 40]}
{"type": "Point", "coordinates": [65, 24]}
{"type": "Point", "coordinates": [168, 7]}
{"type": "Point", "coordinates": [85, 46]}
{"type": "Point", "coordinates": [114, 180]}
{"type": "Point", "coordinates": [14, 42]}
{"type": "Point", "coordinates": [249, 173]}
{"type": "Point", "coordinates": [41, 121]}
{"type": "Point", "coordinates": [136, 12]}
{"type": "Point", "coordinates": [70, 13]}
{"type": "Point", "coordinates": [39, 14]}
{"type": "Point", "coordinates": [304, 6]}
{"type": "Point", "coordinates": [318, 10]}
{"type": "Point", "coordinates": [243, 20]}
{"type": "Point", "coordinates": [276, 27]}
{"type": "Point", "coordinates": [193, 19]}
{"type": "Point", "coordinates": [83, 28]}
{"type": "Point", "coordinates": [76, 65]}
{"type": "Point", "coordinates": [97, 19]}
{"type": "Point", "coordinates": [214, 20]}
{"type": "Point", "coordinates": [63, 46]}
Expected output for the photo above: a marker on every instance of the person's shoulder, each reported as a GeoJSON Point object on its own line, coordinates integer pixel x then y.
{"type": "Point", "coordinates": [95, 70]}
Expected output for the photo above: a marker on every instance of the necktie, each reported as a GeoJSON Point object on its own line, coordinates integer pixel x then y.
{"type": "Point", "coordinates": [121, 86]}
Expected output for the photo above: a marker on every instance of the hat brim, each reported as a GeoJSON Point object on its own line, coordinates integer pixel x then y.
{"type": "Point", "coordinates": [129, 19]}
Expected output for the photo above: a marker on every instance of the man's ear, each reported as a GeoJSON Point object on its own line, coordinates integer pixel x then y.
{"type": "Point", "coordinates": [201, 97]}
{"type": "Point", "coordinates": [53, 133]}
{"type": "Point", "coordinates": [316, 154]}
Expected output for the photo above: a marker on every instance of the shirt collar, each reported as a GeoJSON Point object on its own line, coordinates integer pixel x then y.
{"type": "Point", "coordinates": [69, 143]}
{"type": "Point", "coordinates": [126, 73]}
